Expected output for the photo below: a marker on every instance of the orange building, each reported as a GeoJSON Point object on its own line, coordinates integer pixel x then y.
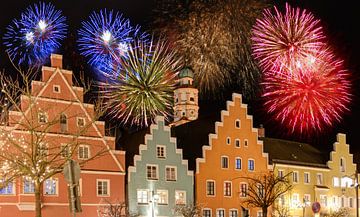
{"type": "Point", "coordinates": [101, 178]}
{"type": "Point", "coordinates": [230, 151]}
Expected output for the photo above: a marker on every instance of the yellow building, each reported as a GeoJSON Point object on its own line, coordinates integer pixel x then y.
{"type": "Point", "coordinates": [316, 177]}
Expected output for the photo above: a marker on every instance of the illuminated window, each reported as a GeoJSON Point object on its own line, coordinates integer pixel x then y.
{"type": "Point", "coordinates": [163, 196]}
{"type": "Point", "coordinates": [160, 151]}
{"type": "Point", "coordinates": [8, 189]}
{"type": "Point", "coordinates": [152, 173]}
{"type": "Point", "coordinates": [238, 163]}
{"type": "Point", "coordinates": [295, 199]}
{"type": "Point", "coordinates": [336, 182]}
{"type": "Point", "coordinates": [227, 188]}
{"type": "Point", "coordinates": [170, 173]}
{"type": "Point", "coordinates": [307, 199]}
{"type": "Point", "coordinates": [206, 212]}
{"type": "Point", "coordinates": [306, 177]}
{"type": "Point", "coordinates": [103, 187]}
{"type": "Point", "coordinates": [29, 186]}
{"type": "Point", "coordinates": [233, 213]}
{"type": "Point", "coordinates": [251, 165]}
{"type": "Point", "coordinates": [259, 214]}
{"type": "Point", "coordinates": [323, 200]}
{"type": "Point", "coordinates": [260, 189]}
{"type": "Point", "coordinates": [210, 188]}
{"type": "Point", "coordinates": [224, 162]}
{"type": "Point", "coordinates": [243, 189]}
{"type": "Point", "coordinates": [220, 213]}
{"type": "Point", "coordinates": [295, 177]}
{"type": "Point", "coordinates": [142, 196]}
{"type": "Point", "coordinates": [180, 197]}
{"type": "Point", "coordinates": [50, 187]}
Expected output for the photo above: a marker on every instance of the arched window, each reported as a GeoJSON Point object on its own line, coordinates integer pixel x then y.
{"type": "Point", "coordinates": [63, 123]}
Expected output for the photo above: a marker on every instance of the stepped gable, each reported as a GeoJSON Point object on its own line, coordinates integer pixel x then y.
{"type": "Point", "coordinates": [192, 136]}
{"type": "Point", "coordinates": [296, 153]}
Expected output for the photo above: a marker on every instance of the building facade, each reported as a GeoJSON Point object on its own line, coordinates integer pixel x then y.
{"type": "Point", "coordinates": [56, 103]}
{"type": "Point", "coordinates": [315, 177]}
{"type": "Point", "coordinates": [234, 153]}
{"type": "Point", "coordinates": [159, 178]}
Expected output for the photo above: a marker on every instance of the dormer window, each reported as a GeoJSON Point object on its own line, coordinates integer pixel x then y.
{"type": "Point", "coordinates": [42, 117]}
{"type": "Point", "coordinates": [56, 89]}
{"type": "Point", "coordinates": [80, 122]}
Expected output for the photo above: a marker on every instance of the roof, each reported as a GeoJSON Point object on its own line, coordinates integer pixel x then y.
{"type": "Point", "coordinates": [186, 72]}
{"type": "Point", "coordinates": [296, 153]}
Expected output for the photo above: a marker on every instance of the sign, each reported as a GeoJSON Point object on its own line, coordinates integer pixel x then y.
{"type": "Point", "coordinates": [72, 171]}
{"type": "Point", "coordinates": [316, 207]}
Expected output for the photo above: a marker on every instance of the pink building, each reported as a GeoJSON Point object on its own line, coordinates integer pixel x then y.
{"type": "Point", "coordinates": [101, 178]}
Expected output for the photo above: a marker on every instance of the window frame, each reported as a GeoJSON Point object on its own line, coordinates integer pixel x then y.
{"type": "Point", "coordinates": [249, 164]}
{"type": "Point", "coordinates": [56, 187]}
{"type": "Point", "coordinates": [225, 188]}
{"type": "Point", "coordinates": [175, 171]}
{"type": "Point", "coordinates": [107, 187]}
{"type": "Point", "coordinates": [156, 172]}
{"type": "Point", "coordinates": [236, 163]}
{"type": "Point", "coordinates": [213, 188]}
{"type": "Point", "coordinates": [297, 177]}
{"type": "Point", "coordinates": [167, 196]}
{"type": "Point", "coordinates": [176, 200]}
{"type": "Point", "coordinates": [78, 119]}
{"type": "Point", "coordinates": [58, 87]}
{"type": "Point", "coordinates": [157, 151]}
{"type": "Point", "coordinates": [237, 122]}
{"type": "Point", "coordinates": [147, 196]}
{"type": "Point", "coordinates": [39, 117]}
{"type": "Point", "coordinates": [322, 179]}
{"type": "Point", "coordinates": [242, 193]}
{"type": "Point", "coordinates": [88, 152]}
{"type": "Point", "coordinates": [307, 174]}
{"type": "Point", "coordinates": [227, 162]}
{"type": "Point", "coordinates": [208, 210]}
{"type": "Point", "coordinates": [27, 179]}
{"type": "Point", "coordinates": [5, 188]}
{"type": "Point", "coordinates": [237, 141]}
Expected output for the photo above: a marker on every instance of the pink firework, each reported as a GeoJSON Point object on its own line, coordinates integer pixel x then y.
{"type": "Point", "coordinates": [282, 39]}
{"type": "Point", "coordinates": [311, 96]}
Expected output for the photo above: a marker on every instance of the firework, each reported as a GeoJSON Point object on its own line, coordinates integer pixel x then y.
{"type": "Point", "coordinates": [37, 34]}
{"type": "Point", "coordinates": [105, 37]}
{"type": "Point", "coordinates": [284, 39]}
{"type": "Point", "coordinates": [214, 38]}
{"type": "Point", "coordinates": [145, 88]}
{"type": "Point", "coordinates": [311, 96]}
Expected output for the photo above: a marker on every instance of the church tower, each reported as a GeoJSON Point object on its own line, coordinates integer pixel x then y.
{"type": "Point", "coordinates": [186, 107]}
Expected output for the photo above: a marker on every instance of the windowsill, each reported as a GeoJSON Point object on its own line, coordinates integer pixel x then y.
{"type": "Point", "coordinates": [163, 158]}
{"type": "Point", "coordinates": [51, 195]}
{"type": "Point", "coordinates": [171, 180]}
{"type": "Point", "coordinates": [27, 194]}
{"type": "Point", "coordinates": [162, 204]}
{"type": "Point", "coordinates": [7, 195]}
{"type": "Point", "coordinates": [149, 179]}
{"type": "Point", "coordinates": [210, 195]}
{"type": "Point", "coordinates": [142, 204]}
{"type": "Point", "coordinates": [103, 195]}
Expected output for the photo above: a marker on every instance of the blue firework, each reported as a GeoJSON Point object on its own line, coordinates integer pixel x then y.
{"type": "Point", "coordinates": [105, 37]}
{"type": "Point", "coordinates": [39, 31]}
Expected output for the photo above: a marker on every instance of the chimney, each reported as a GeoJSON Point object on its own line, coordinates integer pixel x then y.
{"type": "Point", "coordinates": [261, 131]}
{"type": "Point", "coordinates": [56, 60]}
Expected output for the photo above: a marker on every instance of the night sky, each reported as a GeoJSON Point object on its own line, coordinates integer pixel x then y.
{"type": "Point", "coordinates": [340, 20]}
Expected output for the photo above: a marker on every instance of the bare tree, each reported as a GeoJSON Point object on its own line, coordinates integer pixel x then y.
{"type": "Point", "coordinates": [107, 208]}
{"type": "Point", "coordinates": [29, 146]}
{"type": "Point", "coordinates": [265, 189]}
{"type": "Point", "coordinates": [342, 212]}
{"type": "Point", "coordinates": [280, 211]}
{"type": "Point", "coordinates": [188, 210]}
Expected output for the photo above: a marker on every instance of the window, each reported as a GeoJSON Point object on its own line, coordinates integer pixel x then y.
{"type": "Point", "coordinates": [80, 122]}
{"type": "Point", "coordinates": [237, 143]}
{"type": "Point", "coordinates": [243, 190]}
{"type": "Point", "coordinates": [180, 197]}
{"type": "Point", "coordinates": [192, 99]}
{"type": "Point", "coordinates": [238, 163]}
{"type": "Point", "coordinates": [307, 199]}
{"type": "Point", "coordinates": [251, 165]}
{"type": "Point", "coordinates": [152, 172]}
{"type": "Point", "coordinates": [84, 152]}
{"type": "Point", "coordinates": [220, 213]}
{"type": "Point", "coordinates": [323, 200]}
{"type": "Point", "coordinates": [227, 188]}
{"type": "Point", "coordinates": [342, 202]}
{"type": "Point", "coordinates": [210, 188]}
{"type": "Point", "coordinates": [351, 205]}
{"type": "Point", "coordinates": [43, 150]}
{"type": "Point", "coordinates": [63, 123]}
{"type": "Point", "coordinates": [280, 173]}
{"type": "Point", "coordinates": [224, 162]}
{"type": "Point", "coordinates": [260, 189]}
{"type": "Point", "coordinates": [8, 189]}
{"type": "Point", "coordinates": [103, 187]}
{"type": "Point", "coordinates": [56, 89]}
{"type": "Point", "coordinates": [42, 118]}
{"type": "Point", "coordinates": [342, 165]}
{"type": "Point", "coordinates": [295, 199]}
{"type": "Point", "coordinates": [306, 177]}
{"type": "Point", "coordinates": [319, 179]}
{"type": "Point", "coordinates": [246, 143]}
{"type": "Point", "coordinates": [163, 196]}
{"type": "Point", "coordinates": [295, 177]}
{"type": "Point", "coordinates": [282, 200]}
{"type": "Point", "coordinates": [336, 182]}
{"type": "Point", "coordinates": [29, 186]}
{"type": "Point", "coordinates": [142, 196]}
{"type": "Point", "coordinates": [50, 187]}
{"type": "Point", "coordinates": [170, 173]}
{"type": "Point", "coordinates": [206, 213]}
{"type": "Point", "coordinates": [259, 214]}
{"type": "Point", "coordinates": [65, 151]}
{"type": "Point", "coordinates": [160, 151]}
{"type": "Point", "coordinates": [228, 140]}
{"type": "Point", "coordinates": [237, 124]}
{"type": "Point", "coordinates": [233, 213]}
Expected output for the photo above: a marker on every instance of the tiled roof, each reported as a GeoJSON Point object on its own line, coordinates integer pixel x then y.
{"type": "Point", "coordinates": [289, 152]}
